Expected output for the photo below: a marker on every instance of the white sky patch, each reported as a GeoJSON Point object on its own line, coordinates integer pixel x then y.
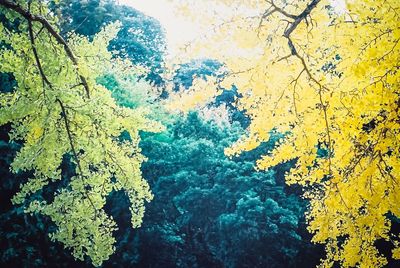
{"type": "Point", "coordinates": [178, 30]}
{"type": "Point", "coordinates": [339, 6]}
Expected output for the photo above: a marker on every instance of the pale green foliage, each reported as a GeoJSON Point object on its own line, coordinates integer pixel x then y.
{"type": "Point", "coordinates": [58, 118]}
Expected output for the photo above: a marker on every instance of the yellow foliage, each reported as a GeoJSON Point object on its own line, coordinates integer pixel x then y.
{"type": "Point", "coordinates": [330, 80]}
{"type": "Point", "coordinates": [202, 92]}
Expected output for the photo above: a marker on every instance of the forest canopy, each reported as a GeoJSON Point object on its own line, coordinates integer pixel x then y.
{"type": "Point", "coordinates": [272, 133]}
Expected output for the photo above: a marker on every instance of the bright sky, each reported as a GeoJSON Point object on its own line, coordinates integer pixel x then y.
{"type": "Point", "coordinates": [178, 30]}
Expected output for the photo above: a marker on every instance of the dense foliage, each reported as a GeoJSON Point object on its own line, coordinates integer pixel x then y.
{"type": "Point", "coordinates": [140, 37]}
{"type": "Point", "coordinates": [326, 73]}
{"type": "Point", "coordinates": [59, 113]}
{"type": "Point", "coordinates": [210, 211]}
{"type": "Point", "coordinates": [286, 88]}
{"type": "Point", "coordinates": [187, 73]}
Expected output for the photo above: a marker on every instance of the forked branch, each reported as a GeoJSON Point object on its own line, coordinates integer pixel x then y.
{"type": "Point", "coordinates": [46, 24]}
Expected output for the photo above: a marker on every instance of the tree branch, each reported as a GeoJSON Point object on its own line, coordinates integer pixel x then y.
{"type": "Point", "coordinates": [299, 18]}
{"type": "Point", "coordinates": [78, 163]}
{"type": "Point", "coordinates": [292, 26]}
{"type": "Point", "coordinates": [63, 111]}
{"type": "Point", "coordinates": [280, 10]}
{"type": "Point", "coordinates": [45, 23]}
{"type": "Point", "coordinates": [35, 53]}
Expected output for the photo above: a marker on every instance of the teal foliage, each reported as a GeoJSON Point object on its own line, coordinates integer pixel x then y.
{"type": "Point", "coordinates": [208, 210]}
{"type": "Point", "coordinates": [7, 82]}
{"type": "Point", "coordinates": [141, 38]}
{"type": "Point", "coordinates": [200, 68]}
{"type": "Point", "coordinates": [24, 240]}
{"type": "Point", "coordinates": [127, 92]}
{"type": "Point", "coordinates": [211, 211]}
{"type": "Point", "coordinates": [203, 68]}
{"type": "Point", "coordinates": [228, 97]}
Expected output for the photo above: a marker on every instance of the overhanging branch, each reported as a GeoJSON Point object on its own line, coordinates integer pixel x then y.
{"type": "Point", "coordinates": [45, 23]}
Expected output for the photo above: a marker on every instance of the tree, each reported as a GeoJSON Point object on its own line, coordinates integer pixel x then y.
{"type": "Point", "coordinates": [187, 169]}
{"type": "Point", "coordinates": [329, 77]}
{"type": "Point", "coordinates": [60, 114]}
{"type": "Point", "coordinates": [141, 38]}
{"type": "Point", "coordinates": [187, 73]}
{"type": "Point", "coordinates": [210, 211]}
